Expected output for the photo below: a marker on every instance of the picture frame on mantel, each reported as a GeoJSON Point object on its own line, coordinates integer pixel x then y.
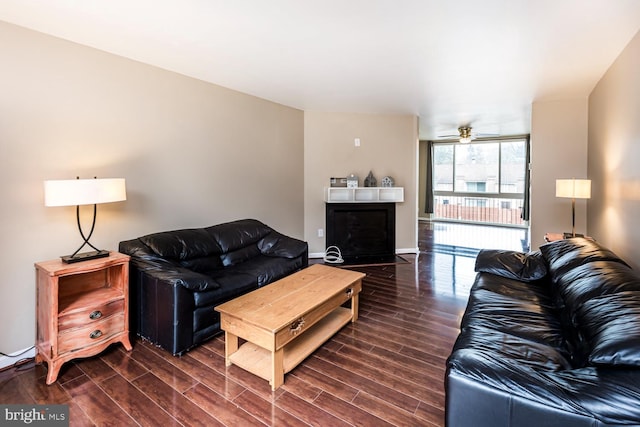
{"type": "Point", "coordinates": [338, 182]}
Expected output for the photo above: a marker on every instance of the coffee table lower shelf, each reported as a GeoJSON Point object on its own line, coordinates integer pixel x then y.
{"type": "Point", "coordinates": [260, 361]}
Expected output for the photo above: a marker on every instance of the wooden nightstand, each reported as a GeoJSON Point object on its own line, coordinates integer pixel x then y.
{"type": "Point", "coordinates": [81, 309]}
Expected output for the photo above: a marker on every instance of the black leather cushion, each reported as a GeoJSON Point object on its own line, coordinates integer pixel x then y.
{"type": "Point", "coordinates": [515, 308]}
{"type": "Point", "coordinates": [182, 244]}
{"type": "Point", "coordinates": [612, 326]}
{"type": "Point", "coordinates": [232, 284]}
{"type": "Point", "coordinates": [565, 255]}
{"type": "Point", "coordinates": [235, 235]}
{"type": "Point", "coordinates": [204, 265]}
{"type": "Point", "coordinates": [580, 285]}
{"type": "Point", "coordinates": [526, 267]}
{"type": "Point", "coordinates": [275, 244]}
{"type": "Point", "coordinates": [577, 286]}
{"type": "Point", "coordinates": [268, 269]}
{"type": "Point", "coordinates": [240, 255]}
{"type": "Point", "coordinates": [580, 269]}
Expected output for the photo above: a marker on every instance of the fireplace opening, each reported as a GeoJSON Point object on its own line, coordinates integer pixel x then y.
{"type": "Point", "coordinates": [364, 232]}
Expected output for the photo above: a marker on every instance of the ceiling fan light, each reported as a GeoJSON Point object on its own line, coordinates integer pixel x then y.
{"type": "Point", "coordinates": [465, 134]}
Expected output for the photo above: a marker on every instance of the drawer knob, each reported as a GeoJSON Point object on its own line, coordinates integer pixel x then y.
{"type": "Point", "coordinates": [95, 315]}
{"type": "Point", "coordinates": [95, 334]}
{"type": "Point", "coordinates": [296, 326]}
{"type": "Point", "coordinates": [349, 292]}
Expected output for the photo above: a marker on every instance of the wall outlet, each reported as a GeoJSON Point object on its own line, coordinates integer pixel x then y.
{"type": "Point", "coordinates": [357, 142]}
{"type": "Point", "coordinates": [320, 232]}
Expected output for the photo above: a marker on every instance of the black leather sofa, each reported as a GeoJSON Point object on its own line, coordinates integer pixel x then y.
{"type": "Point", "coordinates": [178, 277]}
{"type": "Point", "coordinates": [548, 338]}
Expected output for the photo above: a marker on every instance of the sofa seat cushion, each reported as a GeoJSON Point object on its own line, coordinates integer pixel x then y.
{"type": "Point", "coordinates": [231, 285]}
{"type": "Point", "coordinates": [508, 316]}
{"type": "Point", "coordinates": [267, 269]}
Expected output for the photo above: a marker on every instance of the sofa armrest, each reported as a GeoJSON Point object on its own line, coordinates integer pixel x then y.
{"type": "Point", "coordinates": [525, 267]}
{"type": "Point", "coordinates": [172, 274]}
{"type": "Point", "coordinates": [278, 245]}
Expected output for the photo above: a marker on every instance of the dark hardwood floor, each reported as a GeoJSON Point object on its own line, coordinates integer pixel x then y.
{"type": "Point", "coordinates": [385, 369]}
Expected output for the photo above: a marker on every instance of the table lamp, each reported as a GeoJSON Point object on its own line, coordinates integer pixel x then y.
{"type": "Point", "coordinates": [76, 192]}
{"type": "Point", "coordinates": [573, 189]}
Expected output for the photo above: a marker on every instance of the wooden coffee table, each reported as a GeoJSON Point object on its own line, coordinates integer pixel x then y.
{"type": "Point", "coordinates": [286, 321]}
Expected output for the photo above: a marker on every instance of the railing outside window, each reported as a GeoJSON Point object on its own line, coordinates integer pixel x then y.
{"type": "Point", "coordinates": [480, 209]}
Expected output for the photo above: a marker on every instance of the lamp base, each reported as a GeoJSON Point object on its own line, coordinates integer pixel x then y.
{"type": "Point", "coordinates": [85, 256]}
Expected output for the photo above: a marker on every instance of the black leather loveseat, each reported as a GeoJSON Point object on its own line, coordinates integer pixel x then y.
{"type": "Point", "coordinates": [549, 338]}
{"type": "Point", "coordinates": [178, 277]}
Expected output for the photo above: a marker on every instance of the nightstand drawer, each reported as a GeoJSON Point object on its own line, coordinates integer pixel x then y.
{"type": "Point", "coordinates": [90, 316]}
{"type": "Point", "coordinates": [79, 338]}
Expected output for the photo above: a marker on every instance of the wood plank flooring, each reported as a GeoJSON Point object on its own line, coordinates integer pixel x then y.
{"type": "Point", "coordinates": [386, 369]}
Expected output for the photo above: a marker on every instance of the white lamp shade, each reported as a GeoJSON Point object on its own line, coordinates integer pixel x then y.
{"type": "Point", "coordinates": [573, 188]}
{"type": "Point", "coordinates": [72, 192]}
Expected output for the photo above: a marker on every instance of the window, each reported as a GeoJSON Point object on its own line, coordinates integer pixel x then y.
{"type": "Point", "coordinates": [443, 167]}
{"type": "Point", "coordinates": [483, 181]}
{"type": "Point", "coordinates": [513, 158]}
{"type": "Point", "coordinates": [476, 186]}
{"type": "Point", "coordinates": [476, 163]}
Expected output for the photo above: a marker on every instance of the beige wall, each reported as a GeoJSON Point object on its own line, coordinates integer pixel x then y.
{"type": "Point", "coordinates": [389, 146]}
{"type": "Point", "coordinates": [193, 154]}
{"type": "Point", "coordinates": [558, 150]}
{"type": "Point", "coordinates": [614, 156]}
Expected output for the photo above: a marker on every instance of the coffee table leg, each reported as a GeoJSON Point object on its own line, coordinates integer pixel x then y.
{"type": "Point", "coordinates": [230, 346]}
{"type": "Point", "coordinates": [354, 308]}
{"type": "Point", "coordinates": [277, 369]}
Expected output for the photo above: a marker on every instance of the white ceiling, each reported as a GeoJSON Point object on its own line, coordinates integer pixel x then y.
{"type": "Point", "coordinates": [451, 62]}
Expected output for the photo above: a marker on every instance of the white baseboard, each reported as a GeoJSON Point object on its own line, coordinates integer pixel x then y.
{"type": "Point", "coordinates": [6, 361]}
{"type": "Point", "coordinates": [408, 251]}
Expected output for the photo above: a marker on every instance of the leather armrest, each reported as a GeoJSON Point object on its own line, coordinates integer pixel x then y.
{"type": "Point", "coordinates": [278, 245]}
{"type": "Point", "coordinates": [165, 271]}
{"type": "Point", "coordinates": [526, 267]}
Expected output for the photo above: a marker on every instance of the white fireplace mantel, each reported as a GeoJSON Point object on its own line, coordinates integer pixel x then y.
{"type": "Point", "coordinates": [364, 194]}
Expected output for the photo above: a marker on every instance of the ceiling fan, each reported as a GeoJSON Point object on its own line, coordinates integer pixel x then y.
{"type": "Point", "coordinates": [466, 135]}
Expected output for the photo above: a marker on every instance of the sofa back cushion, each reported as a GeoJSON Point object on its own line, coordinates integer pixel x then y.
{"type": "Point", "coordinates": [592, 288]}
{"type": "Point", "coordinates": [565, 255]}
{"type": "Point", "coordinates": [238, 239]}
{"type": "Point", "coordinates": [239, 234]}
{"type": "Point", "coordinates": [612, 327]}
{"type": "Point", "coordinates": [182, 246]}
